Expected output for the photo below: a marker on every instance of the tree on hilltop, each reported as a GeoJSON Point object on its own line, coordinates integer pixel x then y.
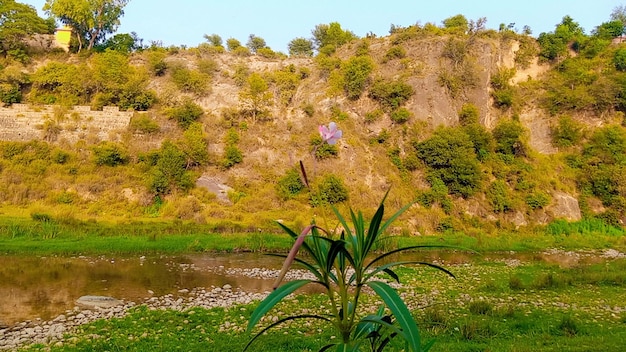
{"type": "Point", "coordinates": [92, 20]}
{"type": "Point", "coordinates": [17, 22]}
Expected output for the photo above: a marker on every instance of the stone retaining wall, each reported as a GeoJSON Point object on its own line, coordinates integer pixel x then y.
{"type": "Point", "coordinates": [22, 122]}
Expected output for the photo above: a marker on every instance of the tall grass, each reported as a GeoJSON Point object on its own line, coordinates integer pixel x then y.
{"type": "Point", "coordinates": [588, 226]}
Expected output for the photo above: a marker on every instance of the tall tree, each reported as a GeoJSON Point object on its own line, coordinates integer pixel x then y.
{"type": "Point", "coordinates": [300, 47]}
{"type": "Point", "coordinates": [255, 43]}
{"type": "Point", "coordinates": [18, 21]}
{"type": "Point", "coordinates": [92, 20]}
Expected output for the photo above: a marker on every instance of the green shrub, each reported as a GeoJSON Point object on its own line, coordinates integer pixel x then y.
{"type": "Point", "coordinates": [537, 200]}
{"type": "Point", "coordinates": [207, 66]}
{"type": "Point", "coordinates": [110, 154]}
{"type": "Point", "coordinates": [330, 190]}
{"type": "Point", "coordinates": [400, 115]}
{"type": "Point", "coordinates": [185, 113]}
{"type": "Point", "coordinates": [290, 184]}
{"type": "Point", "coordinates": [356, 73]}
{"type": "Point", "coordinates": [190, 81]}
{"type": "Point", "coordinates": [322, 150]}
{"type": "Point", "coordinates": [619, 59]}
{"type": "Point", "coordinates": [395, 52]}
{"type": "Point", "coordinates": [480, 307]}
{"type": "Point", "coordinates": [566, 133]}
{"type": "Point", "coordinates": [142, 123]}
{"type": "Point", "coordinates": [232, 156]}
{"type": "Point", "coordinates": [449, 155]}
{"type": "Point", "coordinates": [498, 196]}
{"type": "Point", "coordinates": [509, 136]}
{"type": "Point", "coordinates": [308, 109]}
{"type": "Point", "coordinates": [390, 95]}
{"type": "Point", "coordinates": [373, 116]}
{"type": "Point", "coordinates": [469, 114]}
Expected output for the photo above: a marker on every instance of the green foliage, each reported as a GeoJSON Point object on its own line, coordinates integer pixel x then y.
{"type": "Point", "coordinates": [290, 184]}
{"type": "Point", "coordinates": [10, 94]}
{"type": "Point", "coordinates": [109, 154]}
{"type": "Point", "coordinates": [456, 24]}
{"type": "Point", "coordinates": [255, 43]}
{"type": "Point", "coordinates": [578, 85]}
{"type": "Point", "coordinates": [18, 21]}
{"type": "Point", "coordinates": [528, 50]}
{"type": "Point", "coordinates": [329, 190]}
{"type": "Point", "coordinates": [308, 109]}
{"type": "Point", "coordinates": [344, 266]}
{"type": "Point", "coordinates": [232, 154]}
{"type": "Point", "coordinates": [498, 196]}
{"type": "Point", "coordinates": [300, 47]}
{"type": "Point", "coordinates": [537, 200]}
{"type": "Point", "coordinates": [123, 43]}
{"type": "Point", "coordinates": [170, 171]}
{"type": "Point", "coordinates": [255, 97]}
{"type": "Point", "coordinates": [395, 52]}
{"type": "Point", "coordinates": [232, 44]}
{"type": "Point", "coordinates": [328, 37]}
{"type": "Point", "coordinates": [604, 166]}
{"type": "Point", "coordinates": [400, 115]}
{"type": "Point", "coordinates": [554, 45]}
{"type": "Point", "coordinates": [566, 133]}
{"type": "Point", "coordinates": [356, 73]}
{"type": "Point", "coordinates": [390, 95]}
{"type": "Point", "coordinates": [503, 93]}
{"type": "Point", "coordinates": [373, 116]}
{"type": "Point", "coordinates": [450, 157]}
{"type": "Point", "coordinates": [286, 83]}
{"type": "Point", "coordinates": [482, 140]}
{"type": "Point", "coordinates": [185, 113]}
{"type": "Point", "coordinates": [509, 136]}
{"type": "Point", "coordinates": [190, 81]}
{"type": "Point", "coordinates": [619, 59]}
{"type": "Point", "coordinates": [469, 114]}
{"type": "Point", "coordinates": [156, 61]}
{"type": "Point", "coordinates": [92, 20]}
{"type": "Point", "coordinates": [322, 150]}
{"type": "Point", "coordinates": [195, 146]}
{"type": "Point", "coordinates": [213, 39]}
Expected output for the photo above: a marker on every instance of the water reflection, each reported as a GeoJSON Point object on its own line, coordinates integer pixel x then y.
{"type": "Point", "coordinates": [39, 287]}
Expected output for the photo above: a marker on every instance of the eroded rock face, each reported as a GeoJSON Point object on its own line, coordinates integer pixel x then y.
{"type": "Point", "coordinates": [564, 206]}
{"type": "Point", "coordinates": [98, 301]}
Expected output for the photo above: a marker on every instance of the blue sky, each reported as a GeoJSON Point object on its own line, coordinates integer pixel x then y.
{"type": "Point", "coordinates": [184, 22]}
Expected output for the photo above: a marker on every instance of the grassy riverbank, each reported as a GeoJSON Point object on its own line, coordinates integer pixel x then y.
{"type": "Point", "coordinates": [44, 236]}
{"type": "Point", "coordinates": [493, 305]}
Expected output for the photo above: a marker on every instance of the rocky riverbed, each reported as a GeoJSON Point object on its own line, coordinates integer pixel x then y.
{"type": "Point", "coordinates": [52, 332]}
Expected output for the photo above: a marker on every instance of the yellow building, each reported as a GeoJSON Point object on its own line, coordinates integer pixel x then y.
{"type": "Point", "coordinates": [62, 37]}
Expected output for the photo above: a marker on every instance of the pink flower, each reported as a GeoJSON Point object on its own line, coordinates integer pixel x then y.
{"type": "Point", "coordinates": [330, 134]}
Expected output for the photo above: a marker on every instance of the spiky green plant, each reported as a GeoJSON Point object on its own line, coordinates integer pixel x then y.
{"type": "Point", "coordinates": [344, 266]}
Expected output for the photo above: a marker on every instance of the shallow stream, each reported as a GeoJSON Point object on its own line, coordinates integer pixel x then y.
{"type": "Point", "coordinates": [34, 288]}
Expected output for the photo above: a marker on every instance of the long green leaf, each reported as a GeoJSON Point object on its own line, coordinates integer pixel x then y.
{"type": "Point", "coordinates": [272, 299]}
{"type": "Point", "coordinates": [403, 249]}
{"type": "Point", "coordinates": [342, 220]}
{"type": "Point", "coordinates": [387, 266]}
{"type": "Point", "coordinates": [400, 312]}
{"type": "Point", "coordinates": [302, 316]}
{"type": "Point", "coordinates": [373, 230]}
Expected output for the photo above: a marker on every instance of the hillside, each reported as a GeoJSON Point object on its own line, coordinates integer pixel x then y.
{"type": "Point", "coordinates": [468, 125]}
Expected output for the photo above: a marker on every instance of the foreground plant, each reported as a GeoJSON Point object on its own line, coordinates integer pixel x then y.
{"type": "Point", "coordinates": [344, 266]}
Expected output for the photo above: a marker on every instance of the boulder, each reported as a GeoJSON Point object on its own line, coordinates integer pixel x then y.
{"type": "Point", "coordinates": [564, 206]}
{"type": "Point", "coordinates": [98, 301]}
